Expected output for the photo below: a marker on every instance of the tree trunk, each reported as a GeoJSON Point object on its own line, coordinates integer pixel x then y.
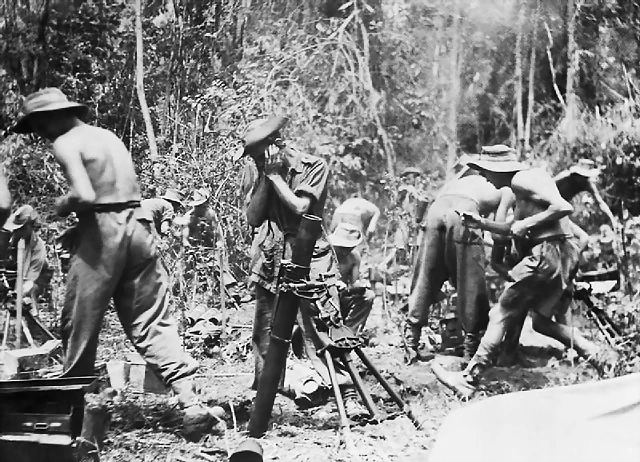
{"type": "Point", "coordinates": [454, 94]}
{"type": "Point", "coordinates": [153, 149]}
{"type": "Point", "coordinates": [519, 116]}
{"type": "Point", "coordinates": [572, 72]}
{"type": "Point", "coordinates": [532, 74]}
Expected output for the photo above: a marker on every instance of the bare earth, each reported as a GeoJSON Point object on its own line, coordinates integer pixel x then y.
{"type": "Point", "coordinates": [146, 427]}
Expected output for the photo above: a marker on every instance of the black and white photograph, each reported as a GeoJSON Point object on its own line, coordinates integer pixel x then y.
{"type": "Point", "coordinates": [319, 230]}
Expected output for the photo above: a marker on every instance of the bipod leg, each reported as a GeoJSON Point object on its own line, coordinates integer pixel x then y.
{"type": "Point", "coordinates": [359, 384]}
{"type": "Point", "coordinates": [392, 393]}
{"type": "Point", "coordinates": [344, 420]}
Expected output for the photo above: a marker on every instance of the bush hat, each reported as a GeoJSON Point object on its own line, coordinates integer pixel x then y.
{"type": "Point", "coordinates": [23, 215]}
{"type": "Point", "coordinates": [200, 196]}
{"type": "Point", "coordinates": [345, 235]}
{"type": "Point", "coordinates": [258, 131]}
{"type": "Point", "coordinates": [248, 451]}
{"type": "Point", "coordinates": [498, 158]}
{"type": "Point", "coordinates": [46, 100]}
{"type": "Point", "coordinates": [173, 195]}
{"type": "Point", "coordinates": [586, 168]}
{"type": "Point", "coordinates": [411, 171]}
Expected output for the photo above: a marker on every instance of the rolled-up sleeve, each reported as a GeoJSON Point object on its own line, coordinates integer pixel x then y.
{"type": "Point", "coordinates": [313, 180]}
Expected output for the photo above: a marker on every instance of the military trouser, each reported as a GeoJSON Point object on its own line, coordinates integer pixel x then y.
{"type": "Point", "coordinates": [449, 250]}
{"type": "Point", "coordinates": [116, 258]}
{"type": "Point", "coordinates": [540, 281]}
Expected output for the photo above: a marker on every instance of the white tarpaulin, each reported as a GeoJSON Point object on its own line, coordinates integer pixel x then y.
{"type": "Point", "coordinates": [591, 422]}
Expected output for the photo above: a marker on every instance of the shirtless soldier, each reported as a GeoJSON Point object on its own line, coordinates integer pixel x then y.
{"type": "Point", "coordinates": [538, 280]}
{"type": "Point", "coordinates": [450, 251]}
{"type": "Point", "coordinates": [115, 255]}
{"type": "Point", "coordinates": [359, 212]}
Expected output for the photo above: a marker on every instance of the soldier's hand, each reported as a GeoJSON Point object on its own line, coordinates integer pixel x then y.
{"type": "Point", "coordinates": [519, 228]}
{"type": "Point", "coordinates": [369, 295]}
{"type": "Point", "coordinates": [470, 219]}
{"type": "Point", "coordinates": [275, 164]}
{"type": "Point", "coordinates": [63, 208]}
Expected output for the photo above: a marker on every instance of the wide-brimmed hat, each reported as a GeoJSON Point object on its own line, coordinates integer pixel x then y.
{"type": "Point", "coordinates": [587, 168]}
{"type": "Point", "coordinates": [46, 100]}
{"type": "Point", "coordinates": [248, 451]}
{"type": "Point", "coordinates": [345, 235]}
{"type": "Point", "coordinates": [258, 131]}
{"type": "Point", "coordinates": [173, 195]}
{"type": "Point", "coordinates": [498, 158]}
{"type": "Point", "coordinates": [411, 171]}
{"type": "Point", "coordinates": [23, 215]}
{"type": "Point", "coordinates": [200, 196]}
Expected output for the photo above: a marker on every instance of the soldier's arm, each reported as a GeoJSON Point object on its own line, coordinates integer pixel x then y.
{"type": "Point", "coordinates": [81, 191]}
{"type": "Point", "coordinates": [537, 186]}
{"type": "Point", "coordinates": [507, 201]}
{"type": "Point", "coordinates": [298, 204]}
{"type": "Point", "coordinates": [258, 206]}
{"type": "Point", "coordinates": [374, 220]}
{"type": "Point", "coordinates": [313, 184]}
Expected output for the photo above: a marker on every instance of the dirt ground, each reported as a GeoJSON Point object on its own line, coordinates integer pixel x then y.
{"type": "Point", "coordinates": [145, 427]}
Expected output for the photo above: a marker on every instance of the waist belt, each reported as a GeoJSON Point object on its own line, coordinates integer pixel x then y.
{"type": "Point", "coordinates": [556, 237]}
{"type": "Point", "coordinates": [112, 207]}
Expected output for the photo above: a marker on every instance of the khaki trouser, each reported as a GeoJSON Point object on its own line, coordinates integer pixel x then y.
{"type": "Point", "coordinates": [450, 251]}
{"type": "Point", "coordinates": [116, 258]}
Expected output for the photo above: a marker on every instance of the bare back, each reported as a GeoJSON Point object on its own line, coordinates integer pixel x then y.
{"type": "Point", "coordinates": [476, 188]}
{"type": "Point", "coordinates": [358, 205]}
{"type": "Point", "coordinates": [537, 197]}
{"type": "Point", "coordinates": [106, 160]}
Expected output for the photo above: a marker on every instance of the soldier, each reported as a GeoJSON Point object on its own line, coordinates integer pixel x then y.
{"type": "Point", "coordinates": [450, 251]}
{"type": "Point", "coordinates": [35, 274]}
{"type": "Point", "coordinates": [356, 300]}
{"type": "Point", "coordinates": [290, 183]}
{"type": "Point", "coordinates": [583, 177]}
{"type": "Point", "coordinates": [115, 255]}
{"type": "Point", "coordinates": [358, 212]}
{"type": "Point", "coordinates": [540, 278]}
{"type": "Point", "coordinates": [201, 224]}
{"type": "Point", "coordinates": [161, 211]}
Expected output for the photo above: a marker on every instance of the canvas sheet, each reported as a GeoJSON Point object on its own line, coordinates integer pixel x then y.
{"type": "Point", "coordinates": [592, 422]}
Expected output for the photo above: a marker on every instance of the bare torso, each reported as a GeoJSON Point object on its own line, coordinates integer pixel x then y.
{"type": "Point", "coordinates": [536, 192]}
{"type": "Point", "coordinates": [477, 188]}
{"type": "Point", "coordinates": [107, 162]}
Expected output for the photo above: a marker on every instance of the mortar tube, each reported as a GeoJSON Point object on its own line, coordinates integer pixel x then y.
{"type": "Point", "coordinates": [284, 319]}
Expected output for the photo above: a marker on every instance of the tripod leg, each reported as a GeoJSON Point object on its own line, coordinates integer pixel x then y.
{"type": "Point", "coordinates": [359, 384]}
{"type": "Point", "coordinates": [344, 420]}
{"type": "Point", "coordinates": [392, 393]}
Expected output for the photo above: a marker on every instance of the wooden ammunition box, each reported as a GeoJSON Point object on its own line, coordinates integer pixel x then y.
{"type": "Point", "coordinates": [40, 419]}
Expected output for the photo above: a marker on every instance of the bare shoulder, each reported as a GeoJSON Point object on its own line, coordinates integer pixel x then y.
{"type": "Point", "coordinates": [68, 144]}
{"type": "Point", "coordinates": [536, 184]}
{"type": "Point", "coordinates": [534, 179]}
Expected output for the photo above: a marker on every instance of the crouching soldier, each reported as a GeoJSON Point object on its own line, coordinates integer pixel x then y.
{"type": "Point", "coordinates": [356, 300]}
